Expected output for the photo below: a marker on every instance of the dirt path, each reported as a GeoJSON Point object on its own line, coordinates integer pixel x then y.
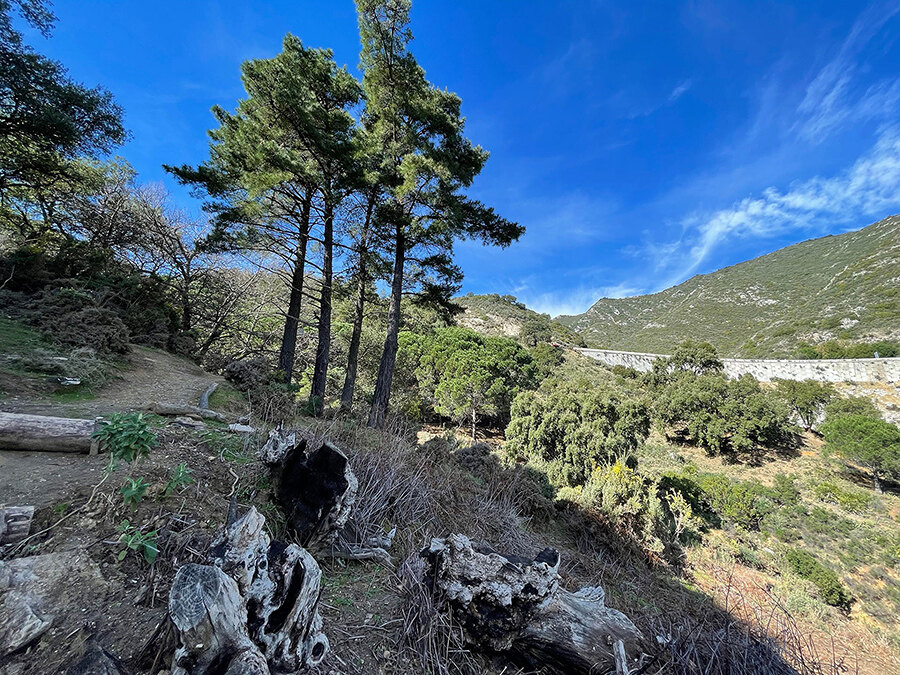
{"type": "Point", "coordinates": [152, 375]}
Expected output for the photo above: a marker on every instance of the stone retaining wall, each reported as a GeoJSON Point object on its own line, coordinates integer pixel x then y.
{"type": "Point", "coordinates": [766, 370]}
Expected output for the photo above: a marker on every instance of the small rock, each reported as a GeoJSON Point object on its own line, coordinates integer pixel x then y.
{"type": "Point", "coordinates": [240, 429]}
{"type": "Point", "coordinates": [189, 422]}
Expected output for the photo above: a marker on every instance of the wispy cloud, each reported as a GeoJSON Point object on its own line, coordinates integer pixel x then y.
{"type": "Point", "coordinates": [680, 90]}
{"type": "Point", "coordinates": [574, 300]}
{"type": "Point", "coordinates": [869, 188]}
{"type": "Point", "coordinates": [831, 100]}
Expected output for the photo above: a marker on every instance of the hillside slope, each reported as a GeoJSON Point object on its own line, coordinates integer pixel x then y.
{"type": "Point", "coordinates": [505, 316]}
{"type": "Point", "coordinates": [845, 286]}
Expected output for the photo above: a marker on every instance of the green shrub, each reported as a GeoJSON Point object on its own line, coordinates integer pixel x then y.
{"type": "Point", "coordinates": [784, 491]}
{"type": "Point", "coordinates": [804, 564]}
{"type": "Point", "coordinates": [577, 429]}
{"type": "Point", "coordinates": [72, 317]}
{"type": "Point", "coordinates": [851, 405]}
{"type": "Point", "coordinates": [807, 398]}
{"type": "Point", "coordinates": [721, 415]}
{"type": "Point", "coordinates": [849, 500]}
{"type": "Point", "coordinates": [745, 503]}
{"type": "Point", "coordinates": [126, 437]}
{"type": "Point", "coordinates": [631, 502]}
{"type": "Point", "coordinates": [181, 477]}
{"type": "Point", "coordinates": [142, 543]}
{"type": "Point", "coordinates": [872, 442]}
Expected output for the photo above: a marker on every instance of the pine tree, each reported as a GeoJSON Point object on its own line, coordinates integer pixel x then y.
{"type": "Point", "coordinates": [281, 162]}
{"type": "Point", "coordinates": [425, 162]}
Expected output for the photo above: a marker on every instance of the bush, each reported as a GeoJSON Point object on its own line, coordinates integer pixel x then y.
{"type": "Point", "coordinates": [248, 374]}
{"type": "Point", "coordinates": [807, 398]}
{"type": "Point", "coordinates": [575, 429]}
{"type": "Point", "coordinates": [872, 442]}
{"type": "Point", "coordinates": [631, 502]}
{"type": "Point", "coordinates": [722, 415]}
{"type": "Point", "coordinates": [784, 491]}
{"type": "Point", "coordinates": [72, 317]}
{"type": "Point", "coordinates": [804, 564]}
{"type": "Point", "coordinates": [745, 503]}
{"type": "Point", "coordinates": [851, 405]}
{"type": "Point", "coordinates": [849, 500]}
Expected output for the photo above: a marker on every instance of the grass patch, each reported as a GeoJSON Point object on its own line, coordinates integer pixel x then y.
{"type": "Point", "coordinates": [226, 398]}
{"type": "Point", "coordinates": [75, 395]}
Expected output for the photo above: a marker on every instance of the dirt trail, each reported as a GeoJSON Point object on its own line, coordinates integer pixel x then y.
{"type": "Point", "coordinates": [152, 375]}
{"type": "Point", "coordinates": [45, 478]}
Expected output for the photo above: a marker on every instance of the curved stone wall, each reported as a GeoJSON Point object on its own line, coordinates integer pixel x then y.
{"type": "Point", "coordinates": [766, 370]}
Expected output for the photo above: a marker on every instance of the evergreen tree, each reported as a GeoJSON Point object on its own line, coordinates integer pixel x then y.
{"type": "Point", "coordinates": [281, 161]}
{"type": "Point", "coordinates": [51, 129]}
{"type": "Point", "coordinates": [425, 162]}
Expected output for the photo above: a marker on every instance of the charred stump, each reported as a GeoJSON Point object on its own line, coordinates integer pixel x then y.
{"type": "Point", "coordinates": [514, 605]}
{"type": "Point", "coordinates": [314, 484]}
{"type": "Point", "coordinates": [253, 610]}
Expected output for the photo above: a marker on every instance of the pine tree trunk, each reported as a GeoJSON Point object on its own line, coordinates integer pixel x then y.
{"type": "Point", "coordinates": [382, 396]}
{"type": "Point", "coordinates": [320, 374]}
{"type": "Point", "coordinates": [292, 320]}
{"type": "Point", "coordinates": [358, 313]}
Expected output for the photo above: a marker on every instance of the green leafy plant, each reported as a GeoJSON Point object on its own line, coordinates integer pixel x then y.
{"type": "Point", "coordinates": [133, 491]}
{"type": "Point", "coordinates": [871, 442]}
{"type": "Point", "coordinates": [126, 437]}
{"type": "Point", "coordinates": [143, 543]}
{"type": "Point", "coordinates": [181, 477]}
{"type": "Point", "coordinates": [805, 565]}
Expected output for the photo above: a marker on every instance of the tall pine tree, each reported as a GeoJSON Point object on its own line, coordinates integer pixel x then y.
{"type": "Point", "coordinates": [425, 163]}
{"type": "Point", "coordinates": [282, 161]}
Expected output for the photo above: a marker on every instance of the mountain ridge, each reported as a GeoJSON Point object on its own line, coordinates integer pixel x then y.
{"type": "Point", "coordinates": [833, 287]}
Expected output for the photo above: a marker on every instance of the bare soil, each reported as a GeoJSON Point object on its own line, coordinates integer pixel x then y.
{"type": "Point", "coordinates": [148, 375]}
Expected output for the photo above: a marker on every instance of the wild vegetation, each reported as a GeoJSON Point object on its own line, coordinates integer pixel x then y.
{"type": "Point", "coordinates": [732, 521]}
{"type": "Point", "coordinates": [784, 304]}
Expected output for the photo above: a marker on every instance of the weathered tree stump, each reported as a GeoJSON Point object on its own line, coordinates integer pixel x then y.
{"type": "Point", "coordinates": [253, 610]}
{"type": "Point", "coordinates": [515, 605]}
{"type": "Point", "coordinates": [40, 433]}
{"type": "Point", "coordinates": [314, 484]}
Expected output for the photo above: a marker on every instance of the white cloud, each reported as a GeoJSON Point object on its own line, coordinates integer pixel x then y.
{"type": "Point", "coordinates": [575, 300]}
{"type": "Point", "coordinates": [680, 90]}
{"type": "Point", "coordinates": [868, 189]}
{"type": "Point", "coordinates": [830, 100]}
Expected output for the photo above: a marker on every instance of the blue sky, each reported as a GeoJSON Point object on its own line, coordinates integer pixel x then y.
{"type": "Point", "coordinates": [639, 142]}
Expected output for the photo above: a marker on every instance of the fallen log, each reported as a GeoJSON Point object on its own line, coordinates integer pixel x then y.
{"type": "Point", "coordinates": [254, 609]}
{"type": "Point", "coordinates": [177, 410]}
{"type": "Point", "coordinates": [514, 605]}
{"type": "Point", "coordinates": [314, 484]}
{"type": "Point", "coordinates": [39, 433]}
{"type": "Point", "coordinates": [15, 523]}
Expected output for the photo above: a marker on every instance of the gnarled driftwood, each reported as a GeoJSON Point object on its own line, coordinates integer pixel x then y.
{"type": "Point", "coordinates": [515, 605]}
{"type": "Point", "coordinates": [254, 609]}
